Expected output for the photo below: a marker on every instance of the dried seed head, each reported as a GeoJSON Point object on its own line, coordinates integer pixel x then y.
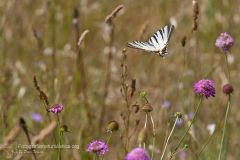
{"type": "Point", "coordinates": [178, 114]}
{"type": "Point", "coordinates": [64, 128]}
{"type": "Point", "coordinates": [22, 122]}
{"type": "Point", "coordinates": [227, 89]}
{"type": "Point", "coordinates": [112, 126]}
{"type": "Point", "coordinates": [183, 42]}
{"type": "Point", "coordinates": [147, 108]}
{"type": "Point", "coordinates": [135, 108]}
{"type": "Point", "coordinates": [113, 14]}
{"type": "Point", "coordinates": [133, 87]}
{"type": "Point", "coordinates": [195, 15]}
{"type": "Point", "coordinates": [75, 13]}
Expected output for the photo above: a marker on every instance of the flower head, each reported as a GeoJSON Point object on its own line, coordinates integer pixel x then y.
{"type": "Point", "coordinates": [98, 147]}
{"type": "Point", "coordinates": [137, 154]}
{"type": "Point", "coordinates": [56, 108]}
{"type": "Point", "coordinates": [179, 122]}
{"type": "Point", "coordinates": [36, 117]}
{"type": "Point", "coordinates": [224, 42]}
{"type": "Point", "coordinates": [112, 126]}
{"type": "Point", "coordinates": [166, 104]}
{"type": "Point", "coordinates": [182, 155]}
{"type": "Point", "coordinates": [205, 88]}
{"type": "Point", "coordinates": [190, 115]}
{"type": "Point", "coordinates": [227, 89]}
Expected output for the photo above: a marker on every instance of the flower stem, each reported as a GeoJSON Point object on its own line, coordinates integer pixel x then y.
{"type": "Point", "coordinates": [170, 134]}
{"type": "Point", "coordinates": [109, 137]}
{"type": "Point", "coordinates": [145, 126]}
{"type": "Point", "coordinates": [59, 138]}
{"type": "Point", "coordinates": [224, 126]}
{"type": "Point", "coordinates": [186, 132]}
{"type": "Point", "coordinates": [154, 137]}
{"type": "Point", "coordinates": [228, 70]}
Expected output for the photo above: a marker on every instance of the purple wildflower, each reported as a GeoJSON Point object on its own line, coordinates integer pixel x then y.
{"type": "Point", "coordinates": [98, 147]}
{"type": "Point", "coordinates": [36, 117]}
{"type": "Point", "coordinates": [56, 108]}
{"type": "Point", "coordinates": [137, 154]}
{"type": "Point", "coordinates": [205, 88]}
{"type": "Point", "coordinates": [182, 155]}
{"type": "Point", "coordinates": [224, 42]}
{"type": "Point", "coordinates": [190, 115]}
{"type": "Point", "coordinates": [166, 104]}
{"type": "Point", "coordinates": [179, 122]}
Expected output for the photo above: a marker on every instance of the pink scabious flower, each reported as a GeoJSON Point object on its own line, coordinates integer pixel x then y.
{"type": "Point", "coordinates": [56, 108]}
{"type": "Point", "coordinates": [137, 154]}
{"type": "Point", "coordinates": [97, 147]}
{"type": "Point", "coordinates": [224, 42]}
{"type": "Point", "coordinates": [205, 88]}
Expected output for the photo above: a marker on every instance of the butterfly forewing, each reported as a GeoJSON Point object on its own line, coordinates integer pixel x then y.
{"type": "Point", "coordinates": [142, 45]}
{"type": "Point", "coordinates": [157, 43]}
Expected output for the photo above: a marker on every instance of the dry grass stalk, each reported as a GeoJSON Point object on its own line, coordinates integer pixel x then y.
{"type": "Point", "coordinates": [113, 14]}
{"type": "Point", "coordinates": [127, 93]}
{"type": "Point", "coordinates": [195, 15]}
{"type": "Point", "coordinates": [109, 20]}
{"type": "Point", "coordinates": [38, 38]}
{"type": "Point", "coordinates": [81, 38]}
{"type": "Point", "coordinates": [75, 22]}
{"type": "Point", "coordinates": [42, 95]}
{"type": "Point", "coordinates": [44, 133]}
{"type": "Point", "coordinates": [24, 127]}
{"type": "Point", "coordinates": [10, 138]}
{"type": "Point", "coordinates": [81, 67]}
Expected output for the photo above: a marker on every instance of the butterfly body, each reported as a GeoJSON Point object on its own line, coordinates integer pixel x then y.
{"type": "Point", "coordinates": [157, 43]}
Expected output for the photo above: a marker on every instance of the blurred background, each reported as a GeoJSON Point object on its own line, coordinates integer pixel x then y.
{"type": "Point", "coordinates": [40, 38]}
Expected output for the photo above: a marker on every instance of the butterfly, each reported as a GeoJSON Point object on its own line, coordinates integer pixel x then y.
{"type": "Point", "coordinates": [157, 43]}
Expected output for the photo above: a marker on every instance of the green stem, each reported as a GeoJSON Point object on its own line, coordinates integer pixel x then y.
{"type": "Point", "coordinates": [145, 126]}
{"type": "Point", "coordinates": [228, 70]}
{"type": "Point", "coordinates": [186, 132]}
{"type": "Point", "coordinates": [59, 138]}
{"type": "Point", "coordinates": [170, 134]}
{"type": "Point", "coordinates": [109, 137]}
{"type": "Point", "coordinates": [107, 142]}
{"type": "Point", "coordinates": [224, 127]}
{"type": "Point", "coordinates": [154, 137]}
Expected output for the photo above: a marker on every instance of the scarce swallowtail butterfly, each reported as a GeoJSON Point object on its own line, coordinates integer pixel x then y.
{"type": "Point", "coordinates": [157, 43]}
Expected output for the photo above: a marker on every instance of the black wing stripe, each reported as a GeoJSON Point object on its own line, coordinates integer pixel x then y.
{"type": "Point", "coordinates": [161, 33]}
{"type": "Point", "coordinates": [170, 30]}
{"type": "Point", "coordinates": [155, 38]}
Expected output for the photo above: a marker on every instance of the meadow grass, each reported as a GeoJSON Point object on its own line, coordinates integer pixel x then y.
{"type": "Point", "coordinates": [74, 53]}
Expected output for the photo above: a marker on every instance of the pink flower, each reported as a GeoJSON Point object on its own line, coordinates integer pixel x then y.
{"type": "Point", "coordinates": [137, 154]}
{"type": "Point", "coordinates": [56, 108]}
{"type": "Point", "coordinates": [98, 147]}
{"type": "Point", "coordinates": [205, 88]}
{"type": "Point", "coordinates": [224, 42]}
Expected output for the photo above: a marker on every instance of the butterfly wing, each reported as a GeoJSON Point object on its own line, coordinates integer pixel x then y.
{"type": "Point", "coordinates": [160, 38]}
{"type": "Point", "coordinates": [158, 42]}
{"type": "Point", "coordinates": [143, 45]}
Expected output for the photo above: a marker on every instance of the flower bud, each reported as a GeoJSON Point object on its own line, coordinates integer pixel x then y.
{"type": "Point", "coordinates": [227, 89]}
{"type": "Point", "coordinates": [112, 126]}
{"type": "Point", "coordinates": [178, 115]}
